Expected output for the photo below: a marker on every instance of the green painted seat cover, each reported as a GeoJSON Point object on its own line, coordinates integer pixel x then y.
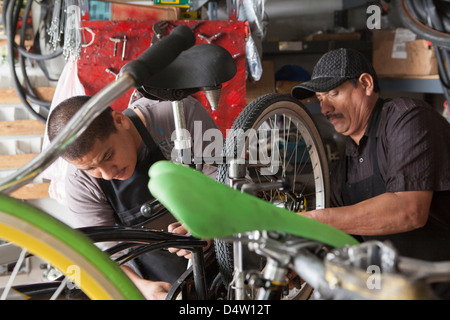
{"type": "Point", "coordinates": [210, 209]}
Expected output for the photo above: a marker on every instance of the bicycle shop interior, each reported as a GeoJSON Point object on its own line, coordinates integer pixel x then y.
{"type": "Point", "coordinates": [60, 48]}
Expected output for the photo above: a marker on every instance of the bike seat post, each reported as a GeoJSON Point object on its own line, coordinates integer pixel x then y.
{"type": "Point", "coordinates": [238, 270]}
{"type": "Point", "coordinates": [237, 172]}
{"type": "Point", "coordinates": [183, 137]}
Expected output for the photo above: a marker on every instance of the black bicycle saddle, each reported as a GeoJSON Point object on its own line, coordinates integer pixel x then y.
{"type": "Point", "coordinates": [204, 66]}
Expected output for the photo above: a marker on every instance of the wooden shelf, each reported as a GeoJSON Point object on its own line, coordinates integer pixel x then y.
{"type": "Point", "coordinates": [15, 161]}
{"type": "Point", "coordinates": [32, 191]}
{"type": "Point", "coordinates": [9, 96]}
{"type": "Point", "coordinates": [18, 128]}
{"type": "Point", "coordinates": [313, 47]}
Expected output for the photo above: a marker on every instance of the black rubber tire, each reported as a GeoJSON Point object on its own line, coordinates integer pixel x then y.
{"type": "Point", "coordinates": [411, 22]}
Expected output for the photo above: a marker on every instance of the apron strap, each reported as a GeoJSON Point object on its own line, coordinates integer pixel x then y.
{"type": "Point", "coordinates": [127, 196]}
{"type": "Point", "coordinates": [155, 152]}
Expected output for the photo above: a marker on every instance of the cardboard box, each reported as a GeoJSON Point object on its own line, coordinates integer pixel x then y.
{"type": "Point", "coordinates": [397, 53]}
{"type": "Point", "coordinates": [123, 11]}
{"type": "Point", "coordinates": [264, 86]}
{"type": "Point", "coordinates": [178, 3]}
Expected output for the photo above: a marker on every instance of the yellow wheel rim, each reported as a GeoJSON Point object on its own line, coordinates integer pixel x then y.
{"type": "Point", "coordinates": [70, 263]}
{"type": "Point", "coordinates": [66, 249]}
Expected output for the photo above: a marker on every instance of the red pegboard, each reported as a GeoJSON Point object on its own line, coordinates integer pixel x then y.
{"type": "Point", "coordinates": [98, 56]}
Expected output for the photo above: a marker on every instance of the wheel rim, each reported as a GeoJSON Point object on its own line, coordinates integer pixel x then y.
{"type": "Point", "coordinates": [86, 277]}
{"type": "Point", "coordinates": [259, 114]}
{"type": "Point", "coordinates": [299, 159]}
{"type": "Point", "coordinates": [64, 248]}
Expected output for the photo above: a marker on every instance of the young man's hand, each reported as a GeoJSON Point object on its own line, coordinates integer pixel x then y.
{"type": "Point", "coordinates": [154, 290]}
{"type": "Point", "coordinates": [151, 290]}
{"type": "Point", "coordinates": [178, 228]}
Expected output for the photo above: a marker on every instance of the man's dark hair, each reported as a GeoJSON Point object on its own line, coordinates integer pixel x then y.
{"type": "Point", "coordinates": [376, 86]}
{"type": "Point", "coordinates": [100, 128]}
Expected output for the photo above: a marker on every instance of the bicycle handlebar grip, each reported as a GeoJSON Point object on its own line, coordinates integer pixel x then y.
{"type": "Point", "coordinates": [160, 54]}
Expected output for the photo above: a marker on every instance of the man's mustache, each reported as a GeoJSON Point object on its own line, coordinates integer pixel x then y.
{"type": "Point", "coordinates": [334, 115]}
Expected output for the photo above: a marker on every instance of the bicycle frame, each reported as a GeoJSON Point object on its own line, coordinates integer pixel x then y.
{"type": "Point", "coordinates": [153, 240]}
{"type": "Point", "coordinates": [371, 270]}
{"type": "Point", "coordinates": [352, 272]}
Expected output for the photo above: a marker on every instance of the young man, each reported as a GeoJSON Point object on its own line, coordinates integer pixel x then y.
{"type": "Point", "coordinates": [108, 176]}
{"type": "Point", "coordinates": [393, 180]}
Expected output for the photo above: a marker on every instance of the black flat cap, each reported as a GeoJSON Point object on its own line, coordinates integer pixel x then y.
{"type": "Point", "coordinates": [333, 69]}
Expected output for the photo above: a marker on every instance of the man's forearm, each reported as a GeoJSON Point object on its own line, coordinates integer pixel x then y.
{"type": "Point", "coordinates": [152, 290]}
{"type": "Point", "coordinates": [388, 213]}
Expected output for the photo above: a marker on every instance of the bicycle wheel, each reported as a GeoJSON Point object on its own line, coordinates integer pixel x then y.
{"type": "Point", "coordinates": [64, 248]}
{"type": "Point", "coordinates": [405, 9]}
{"type": "Point", "coordinates": [286, 129]}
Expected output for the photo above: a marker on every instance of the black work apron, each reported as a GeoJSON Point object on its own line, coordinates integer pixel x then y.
{"type": "Point", "coordinates": [126, 198]}
{"type": "Point", "coordinates": [432, 242]}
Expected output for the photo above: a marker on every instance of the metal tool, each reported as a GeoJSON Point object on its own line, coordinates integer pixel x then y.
{"type": "Point", "coordinates": [123, 48]}
{"type": "Point", "coordinates": [210, 39]}
{"type": "Point", "coordinates": [161, 26]}
{"type": "Point", "coordinates": [196, 25]}
{"type": "Point", "coordinates": [113, 73]}
{"type": "Point", "coordinates": [158, 30]}
{"type": "Point", "coordinates": [116, 41]}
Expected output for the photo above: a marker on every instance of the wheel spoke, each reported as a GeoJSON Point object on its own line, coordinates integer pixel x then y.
{"type": "Point", "coordinates": [13, 276]}
{"type": "Point", "coordinates": [300, 168]}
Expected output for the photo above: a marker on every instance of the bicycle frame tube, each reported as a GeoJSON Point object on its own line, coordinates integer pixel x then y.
{"type": "Point", "coordinates": [238, 269]}
{"type": "Point", "coordinates": [183, 139]}
{"type": "Point", "coordinates": [153, 240]}
{"type": "Point", "coordinates": [73, 130]}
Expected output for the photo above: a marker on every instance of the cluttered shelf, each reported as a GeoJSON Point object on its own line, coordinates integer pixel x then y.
{"type": "Point", "coordinates": [412, 70]}
{"type": "Point", "coordinates": [419, 84]}
{"type": "Point", "coordinates": [314, 47]}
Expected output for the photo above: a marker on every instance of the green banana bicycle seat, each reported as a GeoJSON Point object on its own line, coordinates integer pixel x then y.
{"type": "Point", "coordinates": [209, 209]}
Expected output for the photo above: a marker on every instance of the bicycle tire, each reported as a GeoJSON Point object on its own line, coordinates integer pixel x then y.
{"type": "Point", "coordinates": [132, 242]}
{"type": "Point", "coordinates": [64, 248]}
{"type": "Point", "coordinates": [252, 115]}
{"type": "Point", "coordinates": [411, 22]}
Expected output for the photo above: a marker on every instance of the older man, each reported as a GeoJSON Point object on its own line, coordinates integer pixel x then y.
{"type": "Point", "coordinates": [393, 180]}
